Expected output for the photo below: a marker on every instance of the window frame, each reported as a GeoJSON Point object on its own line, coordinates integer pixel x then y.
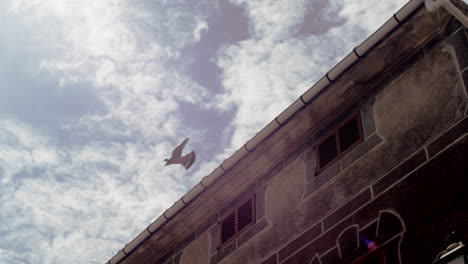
{"type": "Point", "coordinates": [336, 133]}
{"type": "Point", "coordinates": [235, 212]}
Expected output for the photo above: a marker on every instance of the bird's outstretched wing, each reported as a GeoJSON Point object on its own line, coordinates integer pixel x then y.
{"type": "Point", "coordinates": [189, 159]}
{"type": "Point", "coordinates": [178, 150]}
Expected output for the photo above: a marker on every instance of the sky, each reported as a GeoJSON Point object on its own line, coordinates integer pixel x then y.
{"type": "Point", "coordinates": [94, 95]}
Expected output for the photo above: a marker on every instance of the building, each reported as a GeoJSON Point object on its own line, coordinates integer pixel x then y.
{"type": "Point", "coordinates": [368, 166]}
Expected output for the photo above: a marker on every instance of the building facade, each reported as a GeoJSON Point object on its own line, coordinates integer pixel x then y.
{"type": "Point", "coordinates": [369, 166]}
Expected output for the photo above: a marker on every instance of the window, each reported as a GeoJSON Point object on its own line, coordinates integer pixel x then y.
{"type": "Point", "coordinates": [339, 142]}
{"type": "Point", "coordinates": [237, 221]}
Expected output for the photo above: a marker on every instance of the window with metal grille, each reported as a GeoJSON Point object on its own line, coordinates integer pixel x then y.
{"type": "Point", "coordinates": [339, 142]}
{"type": "Point", "coordinates": [237, 221]}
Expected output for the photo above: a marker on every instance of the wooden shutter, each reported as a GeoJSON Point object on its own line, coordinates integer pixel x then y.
{"type": "Point", "coordinates": [327, 151]}
{"type": "Point", "coordinates": [228, 228]}
{"type": "Point", "coordinates": [245, 215]}
{"type": "Point", "coordinates": [349, 134]}
{"type": "Point", "coordinates": [238, 221]}
{"type": "Point", "coordinates": [340, 141]}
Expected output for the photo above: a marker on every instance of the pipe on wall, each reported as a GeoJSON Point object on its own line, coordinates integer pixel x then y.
{"type": "Point", "coordinates": [433, 5]}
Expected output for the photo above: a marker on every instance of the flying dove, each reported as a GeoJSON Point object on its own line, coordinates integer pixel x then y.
{"type": "Point", "coordinates": [177, 158]}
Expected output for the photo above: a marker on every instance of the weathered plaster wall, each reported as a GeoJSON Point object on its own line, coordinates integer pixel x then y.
{"type": "Point", "coordinates": [427, 97]}
{"type": "Point", "coordinates": [197, 252]}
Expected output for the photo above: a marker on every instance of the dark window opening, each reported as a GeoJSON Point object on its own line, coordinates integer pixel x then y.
{"type": "Point", "coordinates": [327, 151]}
{"type": "Point", "coordinates": [339, 142]}
{"type": "Point", "coordinates": [238, 221]}
{"type": "Point", "coordinates": [245, 215]}
{"type": "Point", "coordinates": [349, 134]}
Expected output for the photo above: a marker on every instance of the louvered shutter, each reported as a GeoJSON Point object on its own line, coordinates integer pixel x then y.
{"type": "Point", "coordinates": [342, 139]}
{"type": "Point", "coordinates": [327, 151]}
{"type": "Point", "coordinates": [228, 228]}
{"type": "Point", "coordinates": [349, 134]}
{"type": "Point", "coordinates": [237, 221]}
{"type": "Point", "coordinates": [245, 215]}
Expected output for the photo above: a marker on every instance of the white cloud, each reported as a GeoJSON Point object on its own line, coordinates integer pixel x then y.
{"type": "Point", "coordinates": [33, 150]}
{"type": "Point", "coordinates": [129, 68]}
{"type": "Point", "coordinates": [84, 195]}
{"type": "Point", "coordinates": [57, 197]}
{"type": "Point", "coordinates": [276, 19]}
{"type": "Point", "coordinates": [263, 77]}
{"type": "Point", "coordinates": [266, 73]}
{"type": "Point", "coordinates": [201, 26]}
{"type": "Point", "coordinates": [369, 14]}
